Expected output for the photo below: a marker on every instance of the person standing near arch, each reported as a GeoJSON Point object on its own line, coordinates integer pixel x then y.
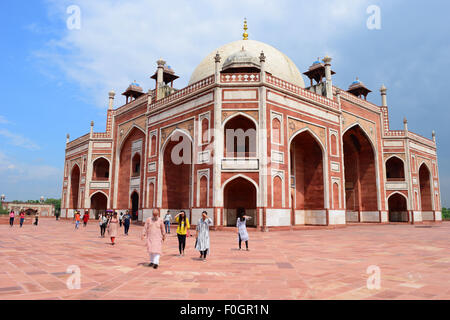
{"type": "Point", "coordinates": [155, 235]}
{"type": "Point", "coordinates": [242, 228]}
{"type": "Point", "coordinates": [202, 242]}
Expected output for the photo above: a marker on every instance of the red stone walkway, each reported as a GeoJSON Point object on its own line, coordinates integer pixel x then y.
{"type": "Point", "coordinates": [311, 264]}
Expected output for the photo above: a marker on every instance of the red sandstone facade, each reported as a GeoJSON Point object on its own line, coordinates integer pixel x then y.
{"type": "Point", "coordinates": [318, 156]}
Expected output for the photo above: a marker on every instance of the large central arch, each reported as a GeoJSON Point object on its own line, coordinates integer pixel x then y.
{"type": "Point", "coordinates": [239, 194]}
{"type": "Point", "coordinates": [177, 172]}
{"type": "Point", "coordinates": [307, 168]}
{"type": "Point", "coordinates": [361, 192]}
{"type": "Point", "coordinates": [133, 145]}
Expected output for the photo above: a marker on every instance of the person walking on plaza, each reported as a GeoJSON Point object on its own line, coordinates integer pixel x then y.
{"type": "Point", "coordinates": [103, 221]}
{"type": "Point", "coordinates": [182, 230]}
{"type": "Point", "coordinates": [77, 219]}
{"type": "Point", "coordinates": [113, 225]}
{"type": "Point", "coordinates": [167, 221]}
{"type": "Point", "coordinates": [155, 235]}
{"type": "Point", "coordinates": [11, 218]}
{"type": "Point", "coordinates": [242, 228]}
{"type": "Point", "coordinates": [126, 222]}
{"type": "Point", "coordinates": [202, 242]}
{"type": "Point", "coordinates": [121, 219]}
{"type": "Point", "coordinates": [85, 218]}
{"type": "Point", "coordinates": [22, 218]}
{"type": "Point", "coordinates": [36, 219]}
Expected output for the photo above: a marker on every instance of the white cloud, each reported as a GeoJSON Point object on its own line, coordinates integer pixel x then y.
{"type": "Point", "coordinates": [3, 120]}
{"type": "Point", "coordinates": [38, 179]}
{"type": "Point", "coordinates": [18, 140]}
{"type": "Point", "coordinates": [119, 41]}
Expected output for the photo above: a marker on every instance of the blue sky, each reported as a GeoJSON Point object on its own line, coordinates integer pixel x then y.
{"type": "Point", "coordinates": [55, 80]}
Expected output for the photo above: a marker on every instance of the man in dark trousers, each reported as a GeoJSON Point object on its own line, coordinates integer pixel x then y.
{"type": "Point", "coordinates": [126, 222]}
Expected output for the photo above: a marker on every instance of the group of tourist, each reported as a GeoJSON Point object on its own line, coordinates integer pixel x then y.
{"type": "Point", "coordinates": [12, 216]}
{"type": "Point", "coordinates": [77, 218]}
{"type": "Point", "coordinates": [155, 231]}
{"type": "Point", "coordinates": [111, 221]}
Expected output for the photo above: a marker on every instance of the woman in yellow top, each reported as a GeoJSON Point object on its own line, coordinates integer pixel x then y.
{"type": "Point", "coordinates": [183, 227]}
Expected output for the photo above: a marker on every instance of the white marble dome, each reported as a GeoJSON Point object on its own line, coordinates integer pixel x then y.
{"type": "Point", "coordinates": [277, 63]}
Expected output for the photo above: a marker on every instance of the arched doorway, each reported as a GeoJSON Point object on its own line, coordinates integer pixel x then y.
{"type": "Point", "coordinates": [306, 167]}
{"type": "Point", "coordinates": [425, 188]}
{"type": "Point", "coordinates": [239, 195]}
{"type": "Point", "coordinates": [395, 170]}
{"type": "Point", "coordinates": [177, 173]}
{"type": "Point", "coordinates": [240, 138]}
{"type": "Point", "coordinates": [99, 203]}
{"type": "Point", "coordinates": [100, 169]}
{"type": "Point", "coordinates": [130, 168]}
{"type": "Point", "coordinates": [74, 187]}
{"type": "Point", "coordinates": [361, 192]}
{"type": "Point", "coordinates": [398, 211]}
{"type": "Point", "coordinates": [134, 205]}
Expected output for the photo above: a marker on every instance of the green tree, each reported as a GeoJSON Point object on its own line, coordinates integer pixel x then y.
{"type": "Point", "coordinates": [446, 213]}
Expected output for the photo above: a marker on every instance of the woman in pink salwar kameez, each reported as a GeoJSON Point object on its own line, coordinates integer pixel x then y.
{"type": "Point", "coordinates": [154, 232]}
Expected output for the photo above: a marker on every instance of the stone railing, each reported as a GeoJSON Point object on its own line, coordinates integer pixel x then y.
{"type": "Point", "coordinates": [78, 141]}
{"type": "Point", "coordinates": [184, 92]}
{"type": "Point", "coordinates": [101, 135]}
{"type": "Point", "coordinates": [419, 138]}
{"type": "Point", "coordinates": [131, 104]}
{"type": "Point", "coordinates": [356, 100]}
{"type": "Point", "coordinates": [395, 133]}
{"type": "Point", "coordinates": [239, 77]}
{"type": "Point", "coordinates": [301, 92]}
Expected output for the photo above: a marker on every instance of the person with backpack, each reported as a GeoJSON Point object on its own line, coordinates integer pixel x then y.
{"type": "Point", "coordinates": [126, 222]}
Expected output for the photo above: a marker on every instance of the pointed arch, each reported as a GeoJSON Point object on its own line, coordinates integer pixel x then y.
{"type": "Point", "coordinates": [184, 171]}
{"type": "Point", "coordinates": [234, 115]}
{"type": "Point", "coordinates": [324, 156]}
{"type": "Point", "coordinates": [398, 207]}
{"type": "Point", "coordinates": [395, 168]}
{"type": "Point", "coordinates": [426, 187]}
{"type": "Point", "coordinates": [362, 191]}
{"type": "Point", "coordinates": [239, 193]}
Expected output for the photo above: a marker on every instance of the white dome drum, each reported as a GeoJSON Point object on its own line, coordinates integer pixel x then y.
{"type": "Point", "coordinates": [277, 63]}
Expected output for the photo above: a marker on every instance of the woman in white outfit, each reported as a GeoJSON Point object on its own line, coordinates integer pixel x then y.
{"type": "Point", "coordinates": [241, 225]}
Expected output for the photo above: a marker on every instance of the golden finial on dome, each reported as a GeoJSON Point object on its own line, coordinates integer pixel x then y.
{"type": "Point", "coordinates": [245, 35]}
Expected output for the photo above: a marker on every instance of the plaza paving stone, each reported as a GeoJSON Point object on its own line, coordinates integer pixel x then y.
{"type": "Point", "coordinates": [301, 264]}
